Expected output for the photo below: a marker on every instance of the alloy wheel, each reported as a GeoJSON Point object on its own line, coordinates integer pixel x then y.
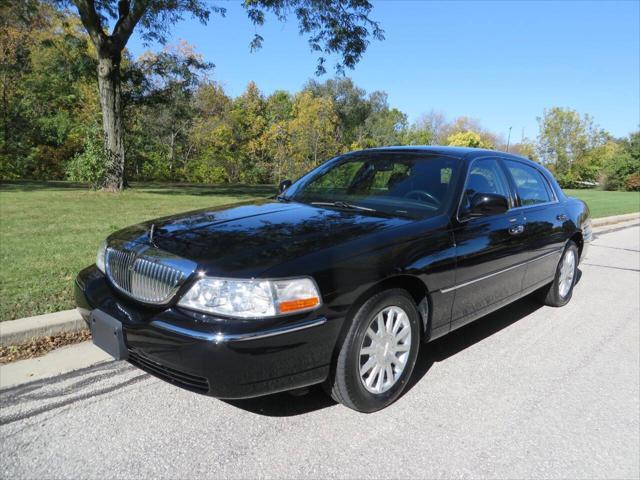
{"type": "Point", "coordinates": [567, 272]}
{"type": "Point", "coordinates": [385, 349]}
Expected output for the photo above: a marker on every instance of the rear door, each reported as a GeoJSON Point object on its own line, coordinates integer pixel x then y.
{"type": "Point", "coordinates": [491, 256]}
{"type": "Point", "coordinates": [544, 220]}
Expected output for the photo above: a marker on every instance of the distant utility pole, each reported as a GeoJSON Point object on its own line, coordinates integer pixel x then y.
{"type": "Point", "coordinates": [509, 138]}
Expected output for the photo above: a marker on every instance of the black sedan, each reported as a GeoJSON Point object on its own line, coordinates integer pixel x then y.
{"type": "Point", "coordinates": [338, 280]}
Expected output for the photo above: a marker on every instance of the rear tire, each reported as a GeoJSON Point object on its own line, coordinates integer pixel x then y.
{"type": "Point", "coordinates": [378, 354]}
{"type": "Point", "coordinates": [559, 292]}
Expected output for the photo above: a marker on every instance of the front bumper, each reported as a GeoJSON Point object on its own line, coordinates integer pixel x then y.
{"type": "Point", "coordinates": [220, 357]}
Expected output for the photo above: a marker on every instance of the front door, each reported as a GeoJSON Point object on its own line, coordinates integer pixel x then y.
{"type": "Point", "coordinates": [491, 256]}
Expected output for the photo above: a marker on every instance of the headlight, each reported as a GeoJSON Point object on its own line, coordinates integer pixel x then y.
{"type": "Point", "coordinates": [100, 256]}
{"type": "Point", "coordinates": [251, 298]}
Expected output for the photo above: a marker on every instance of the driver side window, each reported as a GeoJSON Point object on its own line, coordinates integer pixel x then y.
{"type": "Point", "coordinates": [485, 176]}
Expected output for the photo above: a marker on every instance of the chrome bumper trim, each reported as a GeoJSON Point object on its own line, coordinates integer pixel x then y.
{"type": "Point", "coordinates": [236, 337]}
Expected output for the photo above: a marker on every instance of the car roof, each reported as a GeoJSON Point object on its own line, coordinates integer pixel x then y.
{"type": "Point", "coordinates": [458, 152]}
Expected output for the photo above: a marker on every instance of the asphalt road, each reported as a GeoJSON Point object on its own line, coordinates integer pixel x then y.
{"type": "Point", "coordinates": [528, 391]}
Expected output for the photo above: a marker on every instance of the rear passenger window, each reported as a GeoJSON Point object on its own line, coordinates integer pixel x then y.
{"type": "Point", "coordinates": [532, 187]}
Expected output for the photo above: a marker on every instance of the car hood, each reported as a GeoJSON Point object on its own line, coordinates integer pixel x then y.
{"type": "Point", "coordinates": [248, 238]}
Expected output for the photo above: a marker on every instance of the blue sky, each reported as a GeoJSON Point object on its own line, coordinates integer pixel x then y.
{"type": "Point", "coordinates": [501, 62]}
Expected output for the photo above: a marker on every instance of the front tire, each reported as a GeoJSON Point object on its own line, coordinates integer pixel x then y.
{"type": "Point", "coordinates": [379, 352]}
{"type": "Point", "coordinates": [560, 291]}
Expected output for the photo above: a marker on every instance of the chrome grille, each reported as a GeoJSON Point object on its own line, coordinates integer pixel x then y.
{"type": "Point", "coordinates": [148, 275]}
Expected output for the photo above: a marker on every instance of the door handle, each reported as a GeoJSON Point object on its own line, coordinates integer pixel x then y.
{"type": "Point", "coordinates": [516, 229]}
{"type": "Point", "coordinates": [562, 217]}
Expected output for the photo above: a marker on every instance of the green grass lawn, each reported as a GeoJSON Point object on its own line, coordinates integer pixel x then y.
{"type": "Point", "coordinates": [51, 230]}
{"type": "Point", "coordinates": [604, 204]}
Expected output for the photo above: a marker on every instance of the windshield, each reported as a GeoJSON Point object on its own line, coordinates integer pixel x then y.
{"type": "Point", "coordinates": [402, 184]}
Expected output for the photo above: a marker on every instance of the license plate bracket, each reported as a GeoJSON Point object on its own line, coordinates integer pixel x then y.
{"type": "Point", "coordinates": [107, 334]}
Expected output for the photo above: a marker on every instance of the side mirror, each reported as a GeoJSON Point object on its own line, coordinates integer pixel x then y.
{"type": "Point", "coordinates": [284, 184]}
{"type": "Point", "coordinates": [488, 204]}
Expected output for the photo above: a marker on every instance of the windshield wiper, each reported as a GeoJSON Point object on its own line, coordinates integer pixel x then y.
{"type": "Point", "coordinates": [346, 205]}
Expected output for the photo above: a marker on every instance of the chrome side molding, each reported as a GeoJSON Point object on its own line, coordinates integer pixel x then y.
{"type": "Point", "coordinates": [479, 279]}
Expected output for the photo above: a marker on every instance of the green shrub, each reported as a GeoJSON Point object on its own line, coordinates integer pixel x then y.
{"type": "Point", "coordinates": [619, 169]}
{"type": "Point", "coordinates": [253, 175]}
{"type": "Point", "coordinates": [88, 166]}
{"type": "Point", "coordinates": [204, 171]}
{"type": "Point", "coordinates": [569, 180]}
{"type": "Point", "coordinates": [7, 170]}
{"type": "Point", "coordinates": [632, 183]}
{"type": "Point", "coordinates": [156, 167]}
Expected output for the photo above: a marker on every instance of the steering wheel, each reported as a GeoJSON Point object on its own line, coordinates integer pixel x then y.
{"type": "Point", "coordinates": [424, 197]}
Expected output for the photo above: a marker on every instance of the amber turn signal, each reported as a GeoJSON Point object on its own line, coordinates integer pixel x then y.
{"type": "Point", "coordinates": [295, 305]}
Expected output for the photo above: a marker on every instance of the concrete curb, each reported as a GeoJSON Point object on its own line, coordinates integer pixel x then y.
{"type": "Point", "coordinates": [600, 222]}
{"type": "Point", "coordinates": [15, 332]}
{"type": "Point", "coordinates": [57, 362]}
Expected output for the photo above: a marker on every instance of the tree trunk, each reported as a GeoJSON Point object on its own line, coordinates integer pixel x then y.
{"type": "Point", "coordinates": [111, 103]}
{"type": "Point", "coordinates": [172, 146]}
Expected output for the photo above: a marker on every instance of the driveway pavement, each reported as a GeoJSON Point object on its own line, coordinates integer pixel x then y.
{"type": "Point", "coordinates": [528, 391]}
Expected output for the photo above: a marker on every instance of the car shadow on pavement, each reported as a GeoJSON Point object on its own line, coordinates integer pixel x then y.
{"type": "Point", "coordinates": [441, 349]}
{"type": "Point", "coordinates": [287, 404]}
{"type": "Point", "coordinates": [458, 340]}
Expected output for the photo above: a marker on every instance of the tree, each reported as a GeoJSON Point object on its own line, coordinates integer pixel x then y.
{"type": "Point", "coordinates": [383, 128]}
{"type": "Point", "coordinates": [279, 106]}
{"type": "Point", "coordinates": [170, 79]}
{"type": "Point", "coordinates": [15, 43]}
{"type": "Point", "coordinates": [46, 89]}
{"type": "Point", "coordinates": [565, 137]}
{"type": "Point", "coordinates": [210, 136]}
{"type": "Point", "coordinates": [435, 123]}
{"type": "Point", "coordinates": [525, 148]}
{"type": "Point", "coordinates": [229, 134]}
{"type": "Point", "coordinates": [621, 169]}
{"type": "Point", "coordinates": [277, 142]}
{"type": "Point", "coordinates": [433, 128]}
{"type": "Point", "coordinates": [419, 133]}
{"type": "Point", "coordinates": [350, 102]}
{"type": "Point", "coordinates": [467, 139]}
{"type": "Point", "coordinates": [460, 129]}
{"type": "Point", "coordinates": [340, 27]}
{"type": "Point", "coordinates": [365, 120]}
{"type": "Point", "coordinates": [248, 121]}
{"type": "Point", "coordinates": [313, 132]}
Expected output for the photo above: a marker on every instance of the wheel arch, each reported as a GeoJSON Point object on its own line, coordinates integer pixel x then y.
{"type": "Point", "coordinates": [580, 216]}
{"type": "Point", "coordinates": [413, 285]}
{"type": "Point", "coordinates": [578, 239]}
